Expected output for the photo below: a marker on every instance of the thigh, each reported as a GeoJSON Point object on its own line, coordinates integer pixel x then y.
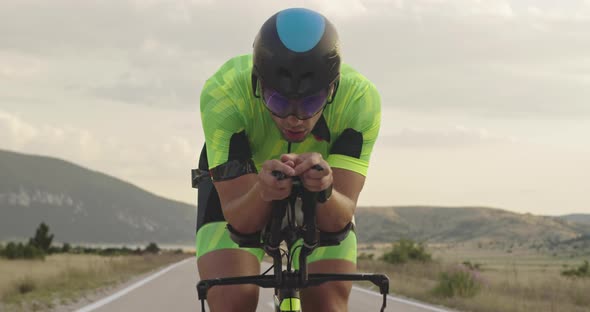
{"type": "Point", "coordinates": [214, 236]}
{"type": "Point", "coordinates": [345, 251]}
{"type": "Point", "coordinates": [330, 296]}
{"type": "Point", "coordinates": [230, 263]}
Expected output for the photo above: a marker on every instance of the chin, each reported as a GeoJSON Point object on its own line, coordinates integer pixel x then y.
{"type": "Point", "coordinates": [294, 141]}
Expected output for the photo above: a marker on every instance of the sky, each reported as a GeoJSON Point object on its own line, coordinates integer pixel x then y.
{"type": "Point", "coordinates": [484, 103]}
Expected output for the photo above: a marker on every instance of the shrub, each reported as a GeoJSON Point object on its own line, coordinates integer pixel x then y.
{"type": "Point", "coordinates": [406, 250]}
{"type": "Point", "coordinates": [364, 256]}
{"type": "Point", "coordinates": [32, 252]}
{"type": "Point", "coordinates": [460, 281]}
{"type": "Point", "coordinates": [20, 251]}
{"type": "Point", "coordinates": [25, 285]}
{"type": "Point", "coordinates": [123, 251]}
{"type": "Point", "coordinates": [472, 266]}
{"type": "Point", "coordinates": [152, 248]}
{"type": "Point", "coordinates": [66, 248]}
{"type": "Point", "coordinates": [582, 271]}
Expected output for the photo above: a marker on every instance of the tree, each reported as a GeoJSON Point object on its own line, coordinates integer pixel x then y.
{"type": "Point", "coordinates": [66, 248]}
{"type": "Point", "coordinates": [152, 248]}
{"type": "Point", "coordinates": [42, 239]}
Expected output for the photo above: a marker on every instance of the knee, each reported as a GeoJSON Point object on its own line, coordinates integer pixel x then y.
{"type": "Point", "coordinates": [233, 298]}
{"type": "Point", "coordinates": [328, 297]}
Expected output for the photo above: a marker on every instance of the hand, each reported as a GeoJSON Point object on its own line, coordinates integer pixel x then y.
{"type": "Point", "coordinates": [314, 180]}
{"type": "Point", "coordinates": [270, 187]}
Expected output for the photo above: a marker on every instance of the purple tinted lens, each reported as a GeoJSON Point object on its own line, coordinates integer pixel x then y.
{"type": "Point", "coordinates": [276, 103]}
{"type": "Point", "coordinates": [311, 105]}
{"type": "Point", "coordinates": [302, 108]}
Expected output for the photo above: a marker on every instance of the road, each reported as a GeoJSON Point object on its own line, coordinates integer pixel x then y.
{"type": "Point", "coordinates": [173, 289]}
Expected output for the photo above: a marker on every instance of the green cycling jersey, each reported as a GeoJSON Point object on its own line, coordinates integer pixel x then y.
{"type": "Point", "coordinates": [229, 106]}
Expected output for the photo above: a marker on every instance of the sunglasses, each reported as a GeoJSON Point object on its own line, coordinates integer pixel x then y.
{"type": "Point", "coordinates": [303, 108]}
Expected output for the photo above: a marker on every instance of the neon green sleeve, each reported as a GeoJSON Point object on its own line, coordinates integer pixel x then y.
{"type": "Point", "coordinates": [366, 119]}
{"type": "Point", "coordinates": [220, 116]}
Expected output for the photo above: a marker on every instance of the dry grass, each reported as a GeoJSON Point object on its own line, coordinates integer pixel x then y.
{"type": "Point", "coordinates": [33, 285]}
{"type": "Point", "coordinates": [516, 282]}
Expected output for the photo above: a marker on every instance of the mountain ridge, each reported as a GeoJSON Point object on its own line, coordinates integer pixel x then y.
{"type": "Point", "coordinates": [81, 204]}
{"type": "Point", "coordinates": [84, 205]}
{"type": "Point", "coordinates": [462, 224]}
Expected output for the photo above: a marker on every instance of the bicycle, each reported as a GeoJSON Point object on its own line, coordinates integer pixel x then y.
{"type": "Point", "coordinates": [287, 283]}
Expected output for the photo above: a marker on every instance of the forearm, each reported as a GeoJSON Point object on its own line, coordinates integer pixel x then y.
{"type": "Point", "coordinates": [336, 213]}
{"type": "Point", "coordinates": [247, 213]}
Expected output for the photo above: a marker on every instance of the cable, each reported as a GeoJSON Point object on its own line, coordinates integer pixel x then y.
{"type": "Point", "coordinates": [271, 267]}
{"type": "Point", "coordinates": [283, 253]}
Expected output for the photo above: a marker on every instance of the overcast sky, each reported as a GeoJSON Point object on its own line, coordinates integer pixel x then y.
{"type": "Point", "coordinates": [484, 103]}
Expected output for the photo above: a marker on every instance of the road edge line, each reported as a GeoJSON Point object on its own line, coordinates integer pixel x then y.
{"type": "Point", "coordinates": [389, 297]}
{"type": "Point", "coordinates": [122, 292]}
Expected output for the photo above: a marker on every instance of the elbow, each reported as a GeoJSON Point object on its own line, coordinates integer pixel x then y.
{"type": "Point", "coordinates": [335, 224]}
{"type": "Point", "coordinates": [243, 228]}
{"type": "Point", "coordinates": [242, 225]}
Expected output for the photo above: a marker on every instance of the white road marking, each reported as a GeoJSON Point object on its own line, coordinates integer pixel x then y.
{"type": "Point", "coordinates": [416, 304]}
{"type": "Point", "coordinates": [123, 292]}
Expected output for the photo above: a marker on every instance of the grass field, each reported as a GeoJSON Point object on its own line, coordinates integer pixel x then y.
{"type": "Point", "coordinates": [519, 281]}
{"type": "Point", "coordinates": [33, 285]}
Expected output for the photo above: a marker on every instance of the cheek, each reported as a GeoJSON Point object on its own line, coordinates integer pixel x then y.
{"type": "Point", "coordinates": [310, 123]}
{"type": "Point", "coordinates": [275, 119]}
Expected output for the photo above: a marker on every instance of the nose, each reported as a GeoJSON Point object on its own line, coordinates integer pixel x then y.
{"type": "Point", "coordinates": [292, 121]}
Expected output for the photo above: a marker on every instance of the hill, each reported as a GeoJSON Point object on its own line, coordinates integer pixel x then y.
{"type": "Point", "coordinates": [81, 205]}
{"type": "Point", "coordinates": [463, 225]}
{"type": "Point", "coordinates": [583, 219]}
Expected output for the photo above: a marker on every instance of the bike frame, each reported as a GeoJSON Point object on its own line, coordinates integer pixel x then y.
{"type": "Point", "coordinates": [287, 283]}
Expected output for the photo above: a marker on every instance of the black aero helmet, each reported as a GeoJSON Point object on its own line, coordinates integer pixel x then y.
{"type": "Point", "coordinates": [297, 53]}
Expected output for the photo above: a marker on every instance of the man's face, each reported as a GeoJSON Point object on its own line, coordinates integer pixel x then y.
{"type": "Point", "coordinates": [295, 130]}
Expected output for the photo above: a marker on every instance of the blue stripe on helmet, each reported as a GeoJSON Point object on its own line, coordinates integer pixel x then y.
{"type": "Point", "coordinates": [300, 29]}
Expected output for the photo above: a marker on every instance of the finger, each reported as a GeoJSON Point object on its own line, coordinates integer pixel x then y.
{"type": "Point", "coordinates": [315, 174]}
{"type": "Point", "coordinates": [304, 166]}
{"type": "Point", "coordinates": [276, 165]}
{"type": "Point", "coordinates": [289, 157]}
{"type": "Point", "coordinates": [267, 179]}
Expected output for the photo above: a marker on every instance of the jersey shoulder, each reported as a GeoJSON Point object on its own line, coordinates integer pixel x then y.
{"type": "Point", "coordinates": [356, 94]}
{"type": "Point", "coordinates": [230, 85]}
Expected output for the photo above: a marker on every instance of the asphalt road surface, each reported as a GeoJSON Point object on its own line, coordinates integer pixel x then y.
{"type": "Point", "coordinates": [173, 289]}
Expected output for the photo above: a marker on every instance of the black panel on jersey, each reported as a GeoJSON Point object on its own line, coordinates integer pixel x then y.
{"type": "Point", "coordinates": [349, 143]}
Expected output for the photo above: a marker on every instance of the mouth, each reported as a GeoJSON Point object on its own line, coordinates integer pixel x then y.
{"type": "Point", "coordinates": [294, 135]}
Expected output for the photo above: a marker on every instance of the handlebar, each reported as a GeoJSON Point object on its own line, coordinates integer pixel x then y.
{"type": "Point", "coordinates": [271, 237]}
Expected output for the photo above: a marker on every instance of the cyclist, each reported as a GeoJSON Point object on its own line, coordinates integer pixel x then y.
{"type": "Point", "coordinates": [288, 106]}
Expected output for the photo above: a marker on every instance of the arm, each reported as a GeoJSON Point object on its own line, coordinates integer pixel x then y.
{"type": "Point", "coordinates": [240, 198]}
{"type": "Point", "coordinates": [246, 200]}
{"type": "Point", "coordinates": [337, 212]}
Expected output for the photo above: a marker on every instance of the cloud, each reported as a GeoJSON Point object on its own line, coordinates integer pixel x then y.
{"type": "Point", "coordinates": [143, 159]}
{"type": "Point", "coordinates": [65, 141]}
{"type": "Point", "coordinates": [456, 137]}
{"type": "Point", "coordinates": [18, 66]}
{"type": "Point", "coordinates": [14, 133]}
{"type": "Point", "coordinates": [486, 58]}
